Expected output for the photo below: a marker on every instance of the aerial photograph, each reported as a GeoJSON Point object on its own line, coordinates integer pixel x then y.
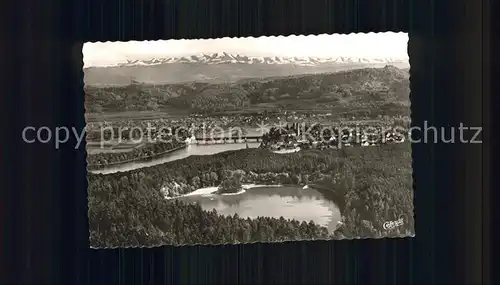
{"type": "Point", "coordinates": [244, 140]}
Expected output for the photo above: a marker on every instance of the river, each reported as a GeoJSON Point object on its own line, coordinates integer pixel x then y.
{"type": "Point", "coordinates": [289, 202]}
{"type": "Point", "coordinates": [192, 149]}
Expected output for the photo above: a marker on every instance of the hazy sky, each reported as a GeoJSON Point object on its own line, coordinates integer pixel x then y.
{"type": "Point", "coordinates": [372, 45]}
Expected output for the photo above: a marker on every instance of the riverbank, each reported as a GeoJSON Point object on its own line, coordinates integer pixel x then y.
{"type": "Point", "coordinates": [203, 150]}
{"type": "Point", "coordinates": [140, 159]}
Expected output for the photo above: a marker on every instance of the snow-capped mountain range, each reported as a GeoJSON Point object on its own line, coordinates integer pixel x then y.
{"type": "Point", "coordinates": [225, 58]}
{"type": "Point", "coordinates": [223, 67]}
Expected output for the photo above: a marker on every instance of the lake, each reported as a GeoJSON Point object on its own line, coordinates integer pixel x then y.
{"type": "Point", "coordinates": [192, 149]}
{"type": "Point", "coordinates": [289, 202]}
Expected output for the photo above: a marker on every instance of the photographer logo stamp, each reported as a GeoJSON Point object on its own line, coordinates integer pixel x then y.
{"type": "Point", "coordinates": [390, 225]}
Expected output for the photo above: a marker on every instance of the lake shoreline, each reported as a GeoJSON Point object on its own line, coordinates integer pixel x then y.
{"type": "Point", "coordinates": [208, 197]}
{"type": "Point", "coordinates": [211, 191]}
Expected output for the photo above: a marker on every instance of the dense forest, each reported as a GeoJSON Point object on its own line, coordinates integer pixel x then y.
{"type": "Point", "coordinates": [361, 91]}
{"type": "Point", "coordinates": [135, 208]}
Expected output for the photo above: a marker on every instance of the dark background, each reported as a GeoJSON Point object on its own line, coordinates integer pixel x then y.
{"type": "Point", "coordinates": [44, 206]}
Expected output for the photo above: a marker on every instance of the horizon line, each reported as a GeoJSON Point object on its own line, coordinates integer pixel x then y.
{"type": "Point", "coordinates": [127, 61]}
{"type": "Point", "coordinates": [359, 45]}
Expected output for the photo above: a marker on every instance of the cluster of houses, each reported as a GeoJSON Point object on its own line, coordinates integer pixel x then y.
{"type": "Point", "coordinates": [293, 138]}
{"type": "Point", "coordinates": [288, 138]}
{"type": "Point", "coordinates": [183, 127]}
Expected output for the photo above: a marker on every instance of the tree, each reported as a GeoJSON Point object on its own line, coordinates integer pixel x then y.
{"type": "Point", "coordinates": [230, 185]}
{"type": "Point", "coordinates": [196, 181]}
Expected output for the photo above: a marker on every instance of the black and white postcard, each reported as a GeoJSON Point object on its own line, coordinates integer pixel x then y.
{"type": "Point", "coordinates": [243, 140]}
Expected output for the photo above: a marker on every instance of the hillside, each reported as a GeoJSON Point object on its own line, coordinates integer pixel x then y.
{"type": "Point", "coordinates": [353, 89]}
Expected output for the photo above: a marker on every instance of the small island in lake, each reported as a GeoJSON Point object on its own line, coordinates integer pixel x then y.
{"type": "Point", "coordinates": [230, 185]}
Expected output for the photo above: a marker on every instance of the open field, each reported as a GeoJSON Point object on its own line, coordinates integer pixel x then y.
{"type": "Point", "coordinates": [135, 115]}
